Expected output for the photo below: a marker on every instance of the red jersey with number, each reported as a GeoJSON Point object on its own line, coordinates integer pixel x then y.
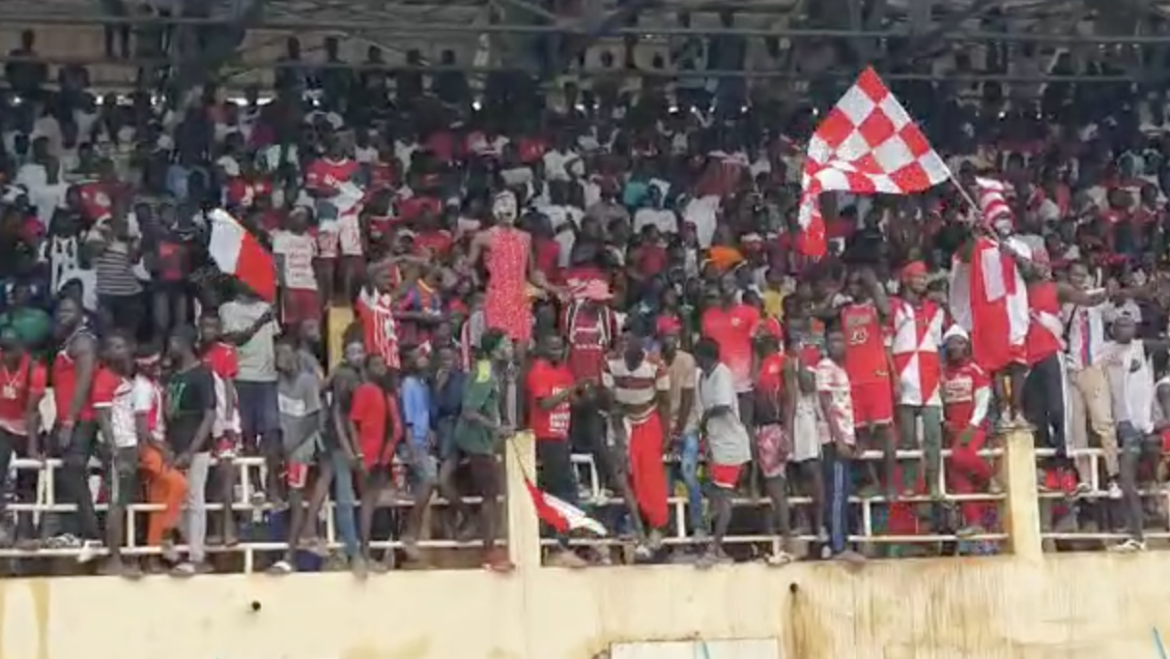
{"type": "Point", "coordinates": [546, 380]}
{"type": "Point", "coordinates": [865, 352]}
{"type": "Point", "coordinates": [16, 386]}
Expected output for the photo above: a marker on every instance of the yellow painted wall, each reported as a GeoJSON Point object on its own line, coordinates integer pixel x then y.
{"type": "Point", "coordinates": [1068, 607]}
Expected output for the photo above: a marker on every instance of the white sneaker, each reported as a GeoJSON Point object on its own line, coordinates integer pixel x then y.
{"type": "Point", "coordinates": [1115, 490]}
{"type": "Point", "coordinates": [1131, 546]}
{"type": "Point", "coordinates": [90, 549]}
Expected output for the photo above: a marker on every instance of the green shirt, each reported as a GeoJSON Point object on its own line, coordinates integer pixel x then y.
{"type": "Point", "coordinates": [31, 325]}
{"type": "Point", "coordinates": [481, 394]}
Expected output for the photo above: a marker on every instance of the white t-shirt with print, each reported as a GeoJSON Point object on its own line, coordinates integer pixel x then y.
{"type": "Point", "coordinates": [297, 251]}
{"type": "Point", "coordinates": [834, 381]}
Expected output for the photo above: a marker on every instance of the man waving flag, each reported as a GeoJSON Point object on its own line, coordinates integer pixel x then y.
{"type": "Point", "coordinates": [867, 144]}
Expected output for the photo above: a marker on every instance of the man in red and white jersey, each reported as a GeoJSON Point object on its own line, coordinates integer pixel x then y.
{"type": "Point", "coordinates": [22, 386]}
{"type": "Point", "coordinates": [375, 310]}
{"type": "Point", "coordinates": [966, 398]}
{"type": "Point", "coordinates": [867, 360]}
{"type": "Point", "coordinates": [638, 388]}
{"type": "Point", "coordinates": [222, 360]}
{"type": "Point", "coordinates": [325, 180]}
{"type": "Point", "coordinates": [113, 402]}
{"type": "Point", "coordinates": [915, 347]}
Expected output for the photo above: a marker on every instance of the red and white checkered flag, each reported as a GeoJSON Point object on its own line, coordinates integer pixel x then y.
{"type": "Point", "coordinates": [993, 203]}
{"type": "Point", "coordinates": [867, 144]}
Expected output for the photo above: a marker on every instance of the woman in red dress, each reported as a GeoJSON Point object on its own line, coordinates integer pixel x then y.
{"type": "Point", "coordinates": [509, 263]}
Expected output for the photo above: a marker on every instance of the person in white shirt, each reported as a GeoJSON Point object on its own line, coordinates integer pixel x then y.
{"type": "Point", "coordinates": [653, 214]}
{"type": "Point", "coordinates": [295, 249]}
{"type": "Point", "coordinates": [839, 443]}
{"type": "Point", "coordinates": [113, 396]}
{"type": "Point", "coordinates": [727, 439]}
{"type": "Point", "coordinates": [1126, 362]}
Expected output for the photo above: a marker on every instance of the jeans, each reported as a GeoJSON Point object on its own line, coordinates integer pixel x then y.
{"type": "Point", "coordinates": [1044, 391]}
{"type": "Point", "coordinates": [689, 472]}
{"type": "Point", "coordinates": [344, 502]}
{"type": "Point", "coordinates": [837, 489]}
{"type": "Point", "coordinates": [194, 526]}
{"type": "Point", "coordinates": [1131, 443]}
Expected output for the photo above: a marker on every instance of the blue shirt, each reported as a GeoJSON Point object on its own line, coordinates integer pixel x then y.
{"type": "Point", "coordinates": [416, 410]}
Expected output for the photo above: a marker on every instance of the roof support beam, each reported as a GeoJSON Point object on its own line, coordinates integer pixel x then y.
{"type": "Point", "coordinates": [417, 29]}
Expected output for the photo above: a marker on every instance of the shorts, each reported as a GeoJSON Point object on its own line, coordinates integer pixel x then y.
{"type": "Point", "coordinates": [1165, 436]}
{"type": "Point", "coordinates": [724, 476]}
{"type": "Point", "coordinates": [349, 236]}
{"type": "Point", "coordinates": [773, 449]}
{"type": "Point", "coordinates": [299, 305]}
{"type": "Point", "coordinates": [420, 463]}
{"type": "Point", "coordinates": [873, 404]}
{"type": "Point", "coordinates": [259, 408]}
{"type": "Point", "coordinates": [122, 477]}
{"type": "Point", "coordinates": [328, 241]}
{"type": "Point", "coordinates": [807, 431]}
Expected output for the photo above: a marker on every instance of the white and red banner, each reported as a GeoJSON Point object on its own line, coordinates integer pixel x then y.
{"type": "Point", "coordinates": [989, 299]}
{"type": "Point", "coordinates": [559, 514]}
{"type": "Point", "coordinates": [867, 144]}
{"type": "Point", "coordinates": [237, 252]}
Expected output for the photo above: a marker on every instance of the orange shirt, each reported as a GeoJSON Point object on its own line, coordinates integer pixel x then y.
{"type": "Point", "coordinates": [733, 328]}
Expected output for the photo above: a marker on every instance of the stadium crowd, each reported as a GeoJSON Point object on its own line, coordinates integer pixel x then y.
{"type": "Point", "coordinates": [615, 272]}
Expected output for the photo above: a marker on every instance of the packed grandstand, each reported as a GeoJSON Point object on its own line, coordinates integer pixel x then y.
{"type": "Point", "coordinates": [736, 323]}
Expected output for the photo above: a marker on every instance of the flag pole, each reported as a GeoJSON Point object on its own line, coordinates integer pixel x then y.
{"type": "Point", "coordinates": [966, 195]}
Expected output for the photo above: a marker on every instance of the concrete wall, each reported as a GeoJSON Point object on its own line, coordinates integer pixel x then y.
{"type": "Point", "coordinates": [1071, 607]}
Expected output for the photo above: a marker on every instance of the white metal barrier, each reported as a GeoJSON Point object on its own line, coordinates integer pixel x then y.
{"type": "Point", "coordinates": [246, 469]}
{"type": "Point", "coordinates": [1089, 460]}
{"type": "Point", "coordinates": [594, 494]}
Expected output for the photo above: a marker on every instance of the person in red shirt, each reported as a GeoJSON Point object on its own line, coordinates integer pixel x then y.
{"type": "Point", "coordinates": [22, 386]}
{"type": "Point", "coordinates": [368, 424]}
{"type": "Point", "coordinates": [75, 432]}
{"type": "Point", "coordinates": [966, 394]}
{"type": "Point", "coordinates": [869, 365]}
{"type": "Point", "coordinates": [221, 358]}
{"type": "Point", "coordinates": [733, 325]}
{"type": "Point", "coordinates": [551, 390]}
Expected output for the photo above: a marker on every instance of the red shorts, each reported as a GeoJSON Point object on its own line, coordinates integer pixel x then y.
{"type": "Point", "coordinates": [1166, 441]}
{"type": "Point", "coordinates": [299, 306]}
{"type": "Point", "coordinates": [724, 476]}
{"type": "Point", "coordinates": [296, 475]}
{"type": "Point", "coordinates": [873, 404]}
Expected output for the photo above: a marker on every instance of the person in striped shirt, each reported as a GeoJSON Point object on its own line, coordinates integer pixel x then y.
{"type": "Point", "coordinates": [637, 389]}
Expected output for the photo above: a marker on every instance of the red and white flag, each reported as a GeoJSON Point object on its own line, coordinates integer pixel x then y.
{"type": "Point", "coordinates": [867, 144]}
{"type": "Point", "coordinates": [237, 252]}
{"type": "Point", "coordinates": [989, 299]}
{"type": "Point", "coordinates": [561, 515]}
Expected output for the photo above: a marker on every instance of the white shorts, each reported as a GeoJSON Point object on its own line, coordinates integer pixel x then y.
{"type": "Point", "coordinates": [328, 240]}
{"type": "Point", "coordinates": [224, 424]}
{"type": "Point", "coordinates": [350, 235]}
{"type": "Point", "coordinates": [806, 430]}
